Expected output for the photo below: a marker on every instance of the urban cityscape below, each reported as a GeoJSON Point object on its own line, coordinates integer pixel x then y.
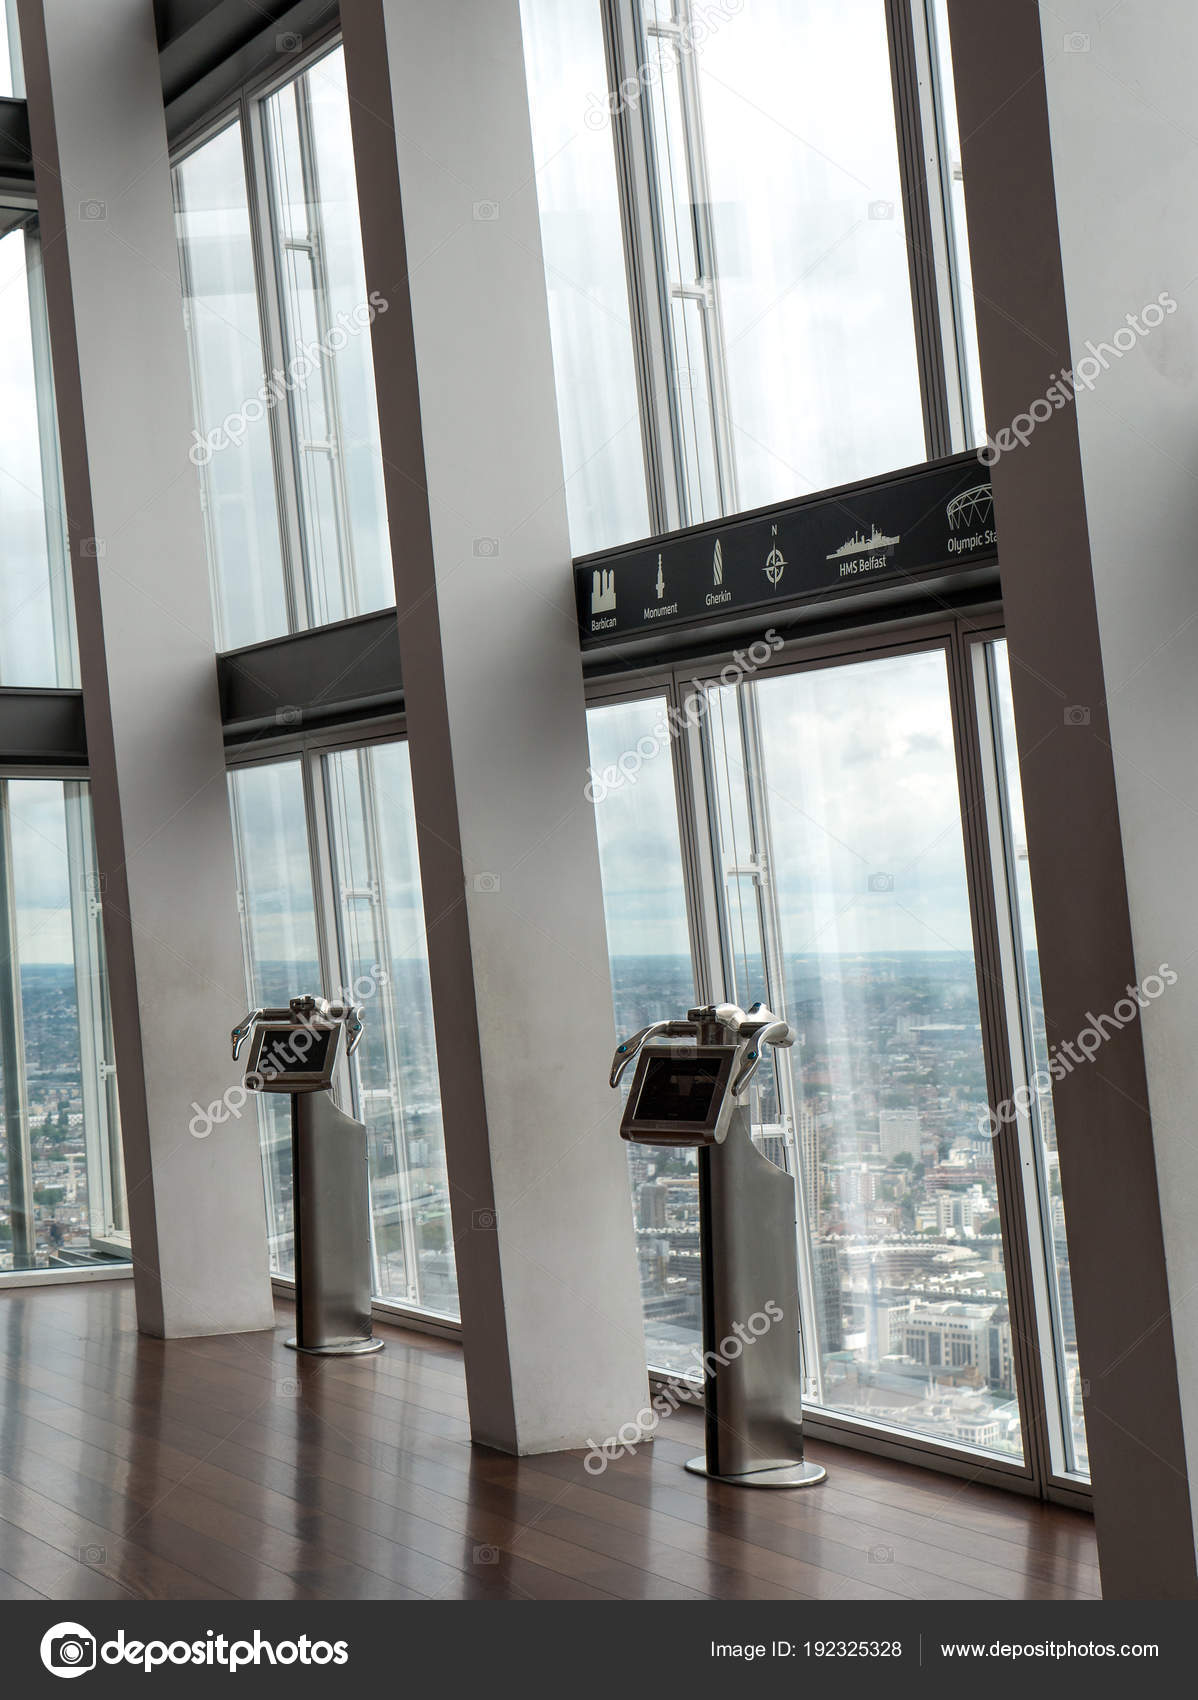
{"type": "Point", "coordinates": [912, 1326]}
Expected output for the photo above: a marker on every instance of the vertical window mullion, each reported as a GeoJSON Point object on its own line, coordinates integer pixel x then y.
{"type": "Point", "coordinates": [1028, 1126]}
{"type": "Point", "coordinates": [649, 302]}
{"type": "Point", "coordinates": [284, 445]}
{"type": "Point", "coordinates": [1002, 1028]}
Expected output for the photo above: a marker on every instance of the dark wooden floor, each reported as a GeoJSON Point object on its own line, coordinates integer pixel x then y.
{"type": "Point", "coordinates": [217, 1468]}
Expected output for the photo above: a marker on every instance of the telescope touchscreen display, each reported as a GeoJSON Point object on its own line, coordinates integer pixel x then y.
{"type": "Point", "coordinates": [678, 1089]}
{"type": "Point", "coordinates": [294, 1050]}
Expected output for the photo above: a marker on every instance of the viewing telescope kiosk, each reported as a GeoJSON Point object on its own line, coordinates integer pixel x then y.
{"type": "Point", "coordinates": [295, 1050]}
{"type": "Point", "coordinates": [689, 1089]}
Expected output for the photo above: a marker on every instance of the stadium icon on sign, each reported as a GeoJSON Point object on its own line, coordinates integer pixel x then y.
{"type": "Point", "coordinates": [971, 508]}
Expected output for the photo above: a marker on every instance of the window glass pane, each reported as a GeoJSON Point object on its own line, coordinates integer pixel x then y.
{"type": "Point", "coordinates": [680, 255]}
{"type": "Point", "coordinates": [12, 74]}
{"type": "Point", "coordinates": [62, 1201]}
{"type": "Point", "coordinates": [326, 322]}
{"type": "Point", "coordinates": [36, 624]}
{"type": "Point", "coordinates": [232, 438]}
{"type": "Point", "coordinates": [696, 425]}
{"type": "Point", "coordinates": [652, 979]}
{"type": "Point", "coordinates": [598, 409]}
{"type": "Point", "coordinates": [873, 909]}
{"type": "Point", "coordinates": [1052, 1205]}
{"type": "Point", "coordinates": [384, 965]}
{"type": "Point", "coordinates": [954, 177]}
{"type": "Point", "coordinates": [278, 916]}
{"type": "Point", "coordinates": [790, 126]}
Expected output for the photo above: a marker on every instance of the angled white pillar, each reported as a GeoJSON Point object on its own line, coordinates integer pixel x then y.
{"type": "Point", "coordinates": [161, 807]}
{"type": "Point", "coordinates": [493, 687]}
{"type": "Point", "coordinates": [1079, 156]}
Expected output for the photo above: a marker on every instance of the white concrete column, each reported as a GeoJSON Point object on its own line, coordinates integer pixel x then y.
{"type": "Point", "coordinates": [1079, 151]}
{"type": "Point", "coordinates": [493, 685]}
{"type": "Point", "coordinates": [1120, 88]}
{"type": "Point", "coordinates": [146, 648]}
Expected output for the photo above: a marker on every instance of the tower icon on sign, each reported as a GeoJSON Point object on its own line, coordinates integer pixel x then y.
{"type": "Point", "coordinates": [603, 591]}
{"type": "Point", "coordinates": [775, 561]}
{"type": "Point", "coordinates": [661, 583]}
{"type": "Point", "coordinates": [717, 563]}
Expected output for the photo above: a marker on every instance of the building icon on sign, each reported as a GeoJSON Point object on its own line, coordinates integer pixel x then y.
{"type": "Point", "coordinates": [603, 591]}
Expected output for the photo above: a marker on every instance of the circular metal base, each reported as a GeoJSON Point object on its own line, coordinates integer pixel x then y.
{"type": "Point", "coordinates": [786, 1476]}
{"type": "Point", "coordinates": [343, 1349]}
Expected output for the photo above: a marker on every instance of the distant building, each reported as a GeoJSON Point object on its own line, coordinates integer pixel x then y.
{"type": "Point", "coordinates": [898, 1131]}
{"type": "Point", "coordinates": [651, 1206]}
{"type": "Point", "coordinates": [809, 1157]}
{"type": "Point", "coordinates": [957, 1337]}
{"type": "Point", "coordinates": [829, 1299]}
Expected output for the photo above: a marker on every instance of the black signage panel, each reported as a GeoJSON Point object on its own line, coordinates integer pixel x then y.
{"type": "Point", "coordinates": [841, 541]}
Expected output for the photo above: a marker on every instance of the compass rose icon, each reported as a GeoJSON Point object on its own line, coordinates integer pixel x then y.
{"type": "Point", "coordinates": [775, 561]}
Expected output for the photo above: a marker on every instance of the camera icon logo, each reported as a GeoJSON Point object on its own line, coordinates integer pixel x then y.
{"type": "Point", "coordinates": [487, 882]}
{"type": "Point", "coordinates": [486, 547]}
{"type": "Point", "coordinates": [1076, 42]}
{"type": "Point", "coordinates": [68, 1649]}
{"type": "Point", "coordinates": [1077, 715]}
{"type": "Point", "coordinates": [880, 882]}
{"type": "Point", "coordinates": [879, 210]}
{"type": "Point", "coordinates": [486, 212]}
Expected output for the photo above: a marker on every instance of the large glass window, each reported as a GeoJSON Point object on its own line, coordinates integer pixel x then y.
{"type": "Point", "coordinates": [37, 645]}
{"type": "Point", "coordinates": [577, 190]}
{"type": "Point", "coordinates": [783, 243]}
{"type": "Point", "coordinates": [282, 955]}
{"type": "Point", "coordinates": [842, 813]}
{"type": "Point", "coordinates": [233, 450]}
{"type": "Point", "coordinates": [384, 961]}
{"type": "Point", "coordinates": [62, 1197]}
{"type": "Point", "coordinates": [286, 433]}
{"type": "Point", "coordinates": [753, 197]}
{"type": "Point", "coordinates": [872, 901]}
{"type": "Point", "coordinates": [326, 323]}
{"type": "Point", "coordinates": [648, 943]}
{"type": "Point", "coordinates": [331, 903]}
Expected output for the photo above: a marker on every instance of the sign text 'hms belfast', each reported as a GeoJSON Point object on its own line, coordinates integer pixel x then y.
{"type": "Point", "coordinates": [933, 518]}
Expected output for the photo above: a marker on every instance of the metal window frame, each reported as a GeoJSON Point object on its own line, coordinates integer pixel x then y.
{"type": "Point", "coordinates": [961, 638]}
{"type": "Point", "coordinates": [246, 107]}
{"type": "Point", "coordinates": [982, 668]}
